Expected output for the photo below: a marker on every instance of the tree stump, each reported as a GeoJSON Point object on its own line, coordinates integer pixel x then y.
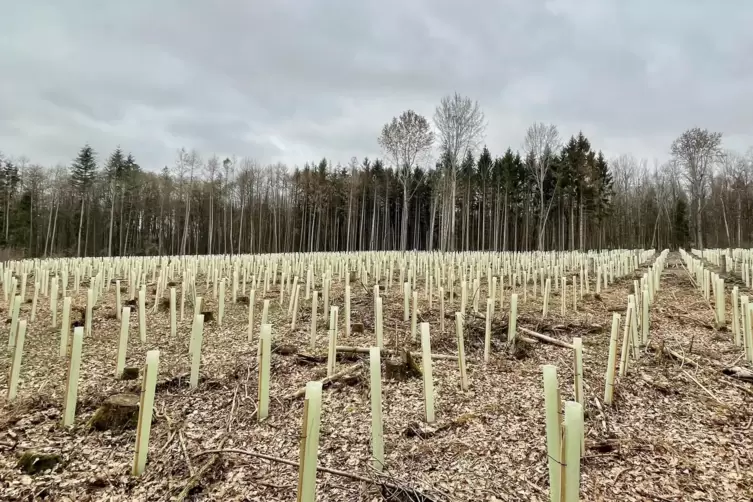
{"type": "Point", "coordinates": [33, 462]}
{"type": "Point", "coordinates": [130, 374]}
{"type": "Point", "coordinates": [208, 316]}
{"type": "Point", "coordinates": [284, 350]}
{"type": "Point", "coordinates": [120, 411]}
{"type": "Point", "coordinates": [357, 327]}
{"type": "Point", "coordinates": [402, 368]}
{"type": "Point", "coordinates": [163, 305]}
{"type": "Point", "coordinates": [395, 369]}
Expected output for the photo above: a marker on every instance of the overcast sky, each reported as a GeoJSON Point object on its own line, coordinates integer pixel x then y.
{"type": "Point", "coordinates": [297, 80]}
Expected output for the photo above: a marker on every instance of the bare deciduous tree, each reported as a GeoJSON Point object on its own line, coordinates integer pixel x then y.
{"type": "Point", "coordinates": [541, 144]}
{"type": "Point", "coordinates": [212, 168]}
{"type": "Point", "coordinates": [696, 151]}
{"type": "Point", "coordinates": [460, 125]}
{"type": "Point", "coordinates": [405, 140]}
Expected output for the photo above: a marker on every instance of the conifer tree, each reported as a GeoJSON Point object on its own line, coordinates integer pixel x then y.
{"type": "Point", "coordinates": [83, 172]}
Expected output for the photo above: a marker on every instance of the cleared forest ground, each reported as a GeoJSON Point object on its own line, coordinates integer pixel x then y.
{"type": "Point", "coordinates": [676, 431]}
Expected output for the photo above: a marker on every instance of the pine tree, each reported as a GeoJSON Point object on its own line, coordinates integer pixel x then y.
{"type": "Point", "coordinates": [602, 193]}
{"type": "Point", "coordinates": [83, 171]}
{"type": "Point", "coordinates": [115, 165]}
{"type": "Point", "coordinates": [467, 175]}
{"type": "Point", "coordinates": [9, 181]}
{"type": "Point", "coordinates": [681, 224]}
{"type": "Point", "coordinates": [484, 169]}
{"type": "Point", "coordinates": [114, 173]}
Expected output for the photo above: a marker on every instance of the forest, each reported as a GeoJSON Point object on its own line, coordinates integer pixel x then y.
{"type": "Point", "coordinates": [435, 187]}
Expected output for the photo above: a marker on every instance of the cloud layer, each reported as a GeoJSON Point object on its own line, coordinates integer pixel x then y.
{"type": "Point", "coordinates": [296, 80]}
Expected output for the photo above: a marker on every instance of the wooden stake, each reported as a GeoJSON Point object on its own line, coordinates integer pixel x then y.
{"type": "Point", "coordinates": [428, 378]}
{"type": "Point", "coordinates": [54, 301]}
{"type": "Point", "coordinates": [198, 338]}
{"type": "Point", "coordinates": [645, 320]}
{"type": "Point", "coordinates": [182, 299]}
{"type": "Point", "coordinates": [123, 343]}
{"type": "Point", "coordinates": [142, 314]}
{"type": "Point", "coordinates": [578, 369]}
{"type": "Point", "coordinates": [512, 326]}
{"type": "Point", "coordinates": [331, 354]}
{"type": "Point", "coordinates": [312, 335]}
{"type": "Point", "coordinates": [377, 436]}
{"type": "Point", "coordinates": [221, 311]}
{"type": "Point", "coordinates": [553, 431]}
{"type": "Point", "coordinates": [347, 312]}
{"type": "Point", "coordinates": [721, 308]}
{"type": "Point", "coordinates": [265, 338]}
{"type": "Point", "coordinates": [612, 362]}
{"type": "Point", "coordinates": [66, 326]}
{"type": "Point", "coordinates": [74, 366]}
{"type": "Point", "coordinates": [296, 293]}
{"type": "Point", "coordinates": [173, 325]}
{"type": "Point", "coordinates": [146, 409]}
{"type": "Point", "coordinates": [749, 339]}
{"type": "Point", "coordinates": [18, 352]}
{"type": "Point", "coordinates": [461, 350]}
{"type": "Point", "coordinates": [624, 354]}
{"type": "Point", "coordinates": [379, 324]}
{"type": "Point", "coordinates": [441, 309]}
{"type": "Point", "coordinates": [414, 314]}
{"type": "Point", "coordinates": [736, 316]}
{"type": "Point", "coordinates": [14, 322]}
{"type": "Point", "coordinates": [34, 301]}
{"type": "Point", "coordinates": [488, 330]}
{"type": "Point", "coordinates": [117, 300]}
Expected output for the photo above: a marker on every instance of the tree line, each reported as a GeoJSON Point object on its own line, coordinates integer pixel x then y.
{"type": "Point", "coordinates": [436, 187]}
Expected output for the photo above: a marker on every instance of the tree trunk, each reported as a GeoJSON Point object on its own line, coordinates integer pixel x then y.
{"type": "Point", "coordinates": [49, 227]}
{"type": "Point", "coordinates": [54, 227]}
{"type": "Point", "coordinates": [80, 228]}
{"type": "Point", "coordinates": [582, 230]}
{"type": "Point", "coordinates": [404, 218]}
{"type": "Point", "coordinates": [112, 215]}
{"type": "Point", "coordinates": [211, 217]}
{"type": "Point", "coordinates": [698, 224]}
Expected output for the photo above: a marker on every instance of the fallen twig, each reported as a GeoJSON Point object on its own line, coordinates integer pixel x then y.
{"type": "Point", "coordinates": [285, 461]}
{"type": "Point", "coordinates": [546, 339]}
{"type": "Point", "coordinates": [347, 371]}
{"type": "Point", "coordinates": [366, 350]}
{"type": "Point", "coordinates": [704, 388]}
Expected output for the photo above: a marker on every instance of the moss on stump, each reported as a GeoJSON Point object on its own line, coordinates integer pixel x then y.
{"type": "Point", "coordinates": [33, 462]}
{"type": "Point", "coordinates": [120, 411]}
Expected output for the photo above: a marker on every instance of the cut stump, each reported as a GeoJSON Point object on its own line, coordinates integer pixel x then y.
{"type": "Point", "coordinates": [33, 462]}
{"type": "Point", "coordinates": [120, 411]}
{"type": "Point", "coordinates": [130, 374]}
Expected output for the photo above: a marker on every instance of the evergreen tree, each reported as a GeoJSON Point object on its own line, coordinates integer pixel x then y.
{"type": "Point", "coordinates": [484, 170]}
{"type": "Point", "coordinates": [9, 181]}
{"type": "Point", "coordinates": [681, 224]}
{"type": "Point", "coordinates": [603, 189]}
{"type": "Point", "coordinates": [83, 172]}
{"type": "Point", "coordinates": [468, 178]}
{"type": "Point", "coordinates": [115, 165]}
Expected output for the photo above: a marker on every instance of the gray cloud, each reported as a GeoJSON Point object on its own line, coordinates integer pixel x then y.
{"type": "Point", "coordinates": [297, 80]}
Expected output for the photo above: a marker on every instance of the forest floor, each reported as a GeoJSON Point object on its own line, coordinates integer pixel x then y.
{"type": "Point", "coordinates": [675, 432]}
